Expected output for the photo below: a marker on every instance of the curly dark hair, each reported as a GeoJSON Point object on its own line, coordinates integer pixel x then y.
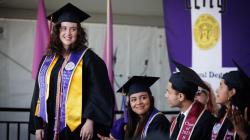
{"type": "Point", "coordinates": [55, 45]}
{"type": "Point", "coordinates": [134, 119]}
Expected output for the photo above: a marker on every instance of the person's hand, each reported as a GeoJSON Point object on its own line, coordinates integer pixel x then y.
{"type": "Point", "coordinates": [39, 134]}
{"type": "Point", "coordinates": [105, 138]}
{"type": "Point", "coordinates": [240, 122]}
{"type": "Point", "coordinates": [87, 130]}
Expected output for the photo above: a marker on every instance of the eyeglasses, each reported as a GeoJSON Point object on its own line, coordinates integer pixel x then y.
{"type": "Point", "coordinates": [202, 91]}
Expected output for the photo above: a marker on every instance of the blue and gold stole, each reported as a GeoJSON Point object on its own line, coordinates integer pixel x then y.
{"type": "Point", "coordinates": [71, 90]}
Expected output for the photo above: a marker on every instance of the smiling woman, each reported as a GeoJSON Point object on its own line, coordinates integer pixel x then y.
{"type": "Point", "coordinates": [143, 118]}
{"type": "Point", "coordinates": [68, 34]}
{"type": "Point", "coordinates": [73, 98]}
{"type": "Point", "coordinates": [140, 103]}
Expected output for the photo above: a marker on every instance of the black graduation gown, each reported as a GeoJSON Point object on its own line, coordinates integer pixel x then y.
{"type": "Point", "coordinates": [223, 129]}
{"type": "Point", "coordinates": [225, 126]}
{"type": "Point", "coordinates": [202, 130]}
{"type": "Point", "coordinates": [159, 125]}
{"type": "Point", "coordinates": [97, 98]}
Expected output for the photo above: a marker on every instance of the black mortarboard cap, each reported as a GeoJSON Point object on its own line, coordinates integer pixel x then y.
{"type": "Point", "coordinates": [236, 79]}
{"type": "Point", "coordinates": [138, 84]}
{"type": "Point", "coordinates": [244, 77]}
{"type": "Point", "coordinates": [69, 13]}
{"type": "Point", "coordinates": [190, 75]}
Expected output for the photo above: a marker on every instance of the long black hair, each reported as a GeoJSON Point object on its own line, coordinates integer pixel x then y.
{"type": "Point", "coordinates": [134, 120]}
{"type": "Point", "coordinates": [55, 44]}
{"type": "Point", "coordinates": [223, 110]}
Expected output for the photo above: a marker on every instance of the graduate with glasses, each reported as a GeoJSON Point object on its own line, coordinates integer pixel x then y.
{"type": "Point", "coordinates": [207, 98]}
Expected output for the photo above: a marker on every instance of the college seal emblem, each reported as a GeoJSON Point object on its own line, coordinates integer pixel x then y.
{"type": "Point", "coordinates": [206, 31]}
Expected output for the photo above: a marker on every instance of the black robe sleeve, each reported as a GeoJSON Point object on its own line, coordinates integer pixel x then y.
{"type": "Point", "coordinates": [98, 95]}
{"type": "Point", "coordinates": [160, 125]}
{"type": "Point", "coordinates": [35, 122]}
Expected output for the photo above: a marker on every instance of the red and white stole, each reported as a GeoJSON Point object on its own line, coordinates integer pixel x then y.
{"type": "Point", "coordinates": [229, 135]}
{"type": "Point", "coordinates": [190, 121]}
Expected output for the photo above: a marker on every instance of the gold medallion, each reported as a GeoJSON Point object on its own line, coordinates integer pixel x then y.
{"type": "Point", "coordinates": [206, 31]}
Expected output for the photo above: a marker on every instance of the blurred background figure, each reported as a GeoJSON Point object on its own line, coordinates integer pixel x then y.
{"type": "Point", "coordinates": [207, 98]}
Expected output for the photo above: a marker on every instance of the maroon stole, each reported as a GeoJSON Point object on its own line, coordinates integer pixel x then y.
{"type": "Point", "coordinates": [189, 122]}
{"type": "Point", "coordinates": [229, 135]}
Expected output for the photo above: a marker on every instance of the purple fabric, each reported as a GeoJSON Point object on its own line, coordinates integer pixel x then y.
{"type": "Point", "coordinates": [117, 130]}
{"type": "Point", "coordinates": [236, 34]}
{"type": "Point", "coordinates": [42, 87]}
{"type": "Point", "coordinates": [108, 48]}
{"type": "Point", "coordinates": [124, 108]}
{"type": "Point", "coordinates": [177, 22]}
{"type": "Point", "coordinates": [66, 76]}
{"type": "Point", "coordinates": [42, 37]}
{"type": "Point", "coordinates": [235, 31]}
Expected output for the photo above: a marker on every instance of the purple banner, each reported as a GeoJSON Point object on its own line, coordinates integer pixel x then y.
{"type": "Point", "coordinates": [236, 34]}
{"type": "Point", "coordinates": [234, 29]}
{"type": "Point", "coordinates": [177, 22]}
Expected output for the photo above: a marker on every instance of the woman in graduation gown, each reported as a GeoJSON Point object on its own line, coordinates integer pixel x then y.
{"type": "Point", "coordinates": [73, 98]}
{"type": "Point", "coordinates": [143, 118]}
{"type": "Point", "coordinates": [232, 92]}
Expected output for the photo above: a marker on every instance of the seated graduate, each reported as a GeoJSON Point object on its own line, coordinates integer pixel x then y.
{"type": "Point", "coordinates": [233, 97]}
{"type": "Point", "coordinates": [143, 118]}
{"type": "Point", "coordinates": [194, 122]}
